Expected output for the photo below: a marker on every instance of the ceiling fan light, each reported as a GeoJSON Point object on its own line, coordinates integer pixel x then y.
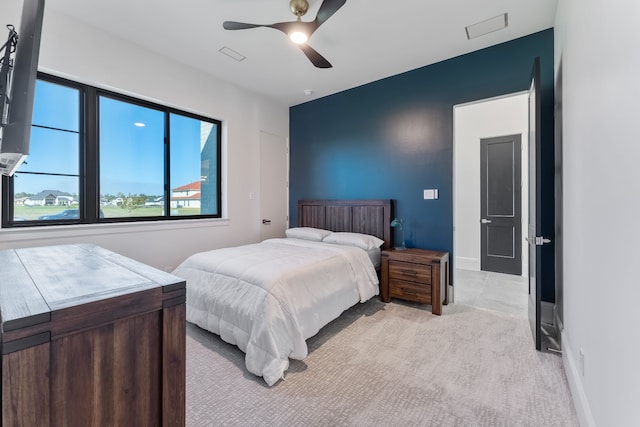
{"type": "Point", "coordinates": [298, 37]}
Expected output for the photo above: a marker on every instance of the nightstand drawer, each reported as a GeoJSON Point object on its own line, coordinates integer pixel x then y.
{"type": "Point", "coordinates": [419, 273]}
{"type": "Point", "coordinates": [410, 291]}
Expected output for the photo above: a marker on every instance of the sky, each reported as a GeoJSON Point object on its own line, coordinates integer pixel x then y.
{"type": "Point", "coordinates": [131, 156]}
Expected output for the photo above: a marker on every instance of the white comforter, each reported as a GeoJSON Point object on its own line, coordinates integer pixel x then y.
{"type": "Point", "coordinates": [268, 298]}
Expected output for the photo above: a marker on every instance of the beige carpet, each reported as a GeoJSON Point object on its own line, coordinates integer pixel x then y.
{"type": "Point", "coordinates": [388, 365]}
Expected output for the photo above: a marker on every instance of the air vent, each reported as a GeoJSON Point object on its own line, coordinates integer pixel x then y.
{"type": "Point", "coordinates": [232, 54]}
{"type": "Point", "coordinates": [490, 25]}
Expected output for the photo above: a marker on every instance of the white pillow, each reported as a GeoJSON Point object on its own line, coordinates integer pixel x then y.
{"type": "Point", "coordinates": [307, 233]}
{"type": "Point", "coordinates": [364, 241]}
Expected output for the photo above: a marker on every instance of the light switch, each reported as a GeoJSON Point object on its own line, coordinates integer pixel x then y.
{"type": "Point", "coordinates": [431, 194]}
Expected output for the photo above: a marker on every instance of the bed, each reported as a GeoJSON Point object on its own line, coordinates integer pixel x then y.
{"type": "Point", "coordinates": [268, 298]}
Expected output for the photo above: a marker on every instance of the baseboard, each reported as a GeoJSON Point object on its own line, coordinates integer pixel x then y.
{"type": "Point", "coordinates": [546, 316]}
{"type": "Point", "coordinates": [467, 263]}
{"type": "Point", "coordinates": [575, 385]}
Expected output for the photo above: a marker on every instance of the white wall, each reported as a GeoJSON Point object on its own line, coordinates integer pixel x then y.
{"type": "Point", "coordinates": [598, 43]}
{"type": "Point", "coordinates": [73, 50]}
{"type": "Point", "coordinates": [473, 121]}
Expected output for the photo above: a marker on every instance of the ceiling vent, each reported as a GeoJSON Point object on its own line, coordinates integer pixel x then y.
{"type": "Point", "coordinates": [232, 54]}
{"type": "Point", "coordinates": [490, 25]}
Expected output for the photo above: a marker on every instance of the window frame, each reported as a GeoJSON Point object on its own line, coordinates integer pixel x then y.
{"type": "Point", "coordinates": [89, 158]}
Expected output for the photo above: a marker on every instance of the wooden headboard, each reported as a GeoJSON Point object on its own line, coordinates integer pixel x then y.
{"type": "Point", "coordinates": [358, 216]}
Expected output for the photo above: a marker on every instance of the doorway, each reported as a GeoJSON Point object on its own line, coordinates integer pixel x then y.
{"type": "Point", "coordinates": [487, 119]}
{"type": "Point", "coordinates": [274, 173]}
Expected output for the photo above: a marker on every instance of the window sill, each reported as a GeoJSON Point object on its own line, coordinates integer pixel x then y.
{"type": "Point", "coordinates": [20, 234]}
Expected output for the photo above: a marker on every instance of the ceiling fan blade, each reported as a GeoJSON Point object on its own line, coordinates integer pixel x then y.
{"type": "Point", "coordinates": [328, 8]}
{"type": "Point", "coordinates": [232, 25]}
{"type": "Point", "coordinates": [315, 58]}
{"type": "Point", "coordinates": [285, 27]}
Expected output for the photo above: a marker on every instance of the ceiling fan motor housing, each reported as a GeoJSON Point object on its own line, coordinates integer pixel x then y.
{"type": "Point", "coordinates": [299, 7]}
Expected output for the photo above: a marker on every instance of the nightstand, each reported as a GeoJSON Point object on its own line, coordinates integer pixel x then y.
{"type": "Point", "coordinates": [417, 275]}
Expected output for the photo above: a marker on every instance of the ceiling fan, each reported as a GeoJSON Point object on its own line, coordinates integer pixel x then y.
{"type": "Point", "coordinates": [299, 31]}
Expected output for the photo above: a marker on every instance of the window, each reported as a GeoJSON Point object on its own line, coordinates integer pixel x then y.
{"type": "Point", "coordinates": [194, 155]}
{"type": "Point", "coordinates": [49, 181]}
{"type": "Point", "coordinates": [131, 158]}
{"type": "Point", "coordinates": [96, 156]}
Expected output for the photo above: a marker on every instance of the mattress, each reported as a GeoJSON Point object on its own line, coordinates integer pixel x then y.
{"type": "Point", "coordinates": [268, 298]}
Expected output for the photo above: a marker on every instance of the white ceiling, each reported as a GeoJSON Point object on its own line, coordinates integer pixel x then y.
{"type": "Point", "coordinates": [366, 40]}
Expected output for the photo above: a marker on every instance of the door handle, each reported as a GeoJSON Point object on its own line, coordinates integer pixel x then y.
{"type": "Point", "coordinates": [537, 240]}
{"type": "Point", "coordinates": [485, 221]}
{"type": "Point", "coordinates": [266, 221]}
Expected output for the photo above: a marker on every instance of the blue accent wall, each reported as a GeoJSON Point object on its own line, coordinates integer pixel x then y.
{"type": "Point", "coordinates": [393, 138]}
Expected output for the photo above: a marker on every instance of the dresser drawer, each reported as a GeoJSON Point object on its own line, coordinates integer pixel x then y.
{"type": "Point", "coordinates": [410, 291]}
{"type": "Point", "coordinates": [419, 273]}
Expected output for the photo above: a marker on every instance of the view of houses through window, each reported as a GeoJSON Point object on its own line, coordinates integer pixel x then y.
{"type": "Point", "coordinates": [144, 160]}
{"type": "Point", "coordinates": [48, 204]}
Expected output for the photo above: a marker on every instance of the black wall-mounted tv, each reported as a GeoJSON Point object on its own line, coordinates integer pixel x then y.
{"type": "Point", "coordinates": [19, 84]}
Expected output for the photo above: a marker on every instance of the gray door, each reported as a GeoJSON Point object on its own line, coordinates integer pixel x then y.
{"type": "Point", "coordinates": [534, 237]}
{"type": "Point", "coordinates": [501, 207]}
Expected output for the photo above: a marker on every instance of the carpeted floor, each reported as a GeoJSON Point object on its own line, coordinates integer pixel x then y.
{"type": "Point", "coordinates": [388, 365]}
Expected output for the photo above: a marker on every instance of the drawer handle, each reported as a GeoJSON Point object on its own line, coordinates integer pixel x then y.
{"type": "Point", "coordinates": [409, 272]}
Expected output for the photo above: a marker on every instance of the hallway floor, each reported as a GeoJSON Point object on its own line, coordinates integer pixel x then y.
{"type": "Point", "coordinates": [505, 293]}
{"type": "Point", "coordinates": [494, 291]}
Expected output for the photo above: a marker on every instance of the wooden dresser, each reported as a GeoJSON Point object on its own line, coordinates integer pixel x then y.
{"type": "Point", "coordinates": [90, 338]}
{"type": "Point", "coordinates": [418, 275]}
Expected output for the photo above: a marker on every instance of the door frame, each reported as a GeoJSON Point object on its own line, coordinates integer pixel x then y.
{"type": "Point", "coordinates": [558, 308]}
{"type": "Point", "coordinates": [279, 227]}
{"type": "Point", "coordinates": [462, 146]}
